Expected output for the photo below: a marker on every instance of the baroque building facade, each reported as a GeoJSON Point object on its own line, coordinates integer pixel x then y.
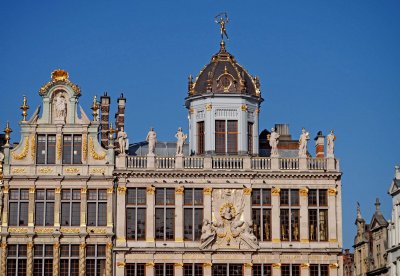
{"type": "Point", "coordinates": [393, 250]}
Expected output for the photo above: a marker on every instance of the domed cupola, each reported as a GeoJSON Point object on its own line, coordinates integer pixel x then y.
{"type": "Point", "coordinates": [224, 104]}
{"type": "Point", "coordinates": [224, 75]}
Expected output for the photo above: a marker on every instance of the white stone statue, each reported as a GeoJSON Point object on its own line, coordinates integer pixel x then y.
{"type": "Point", "coordinates": [152, 140]}
{"type": "Point", "coordinates": [304, 137]}
{"type": "Point", "coordinates": [330, 143]}
{"type": "Point", "coordinates": [207, 234]}
{"type": "Point", "coordinates": [61, 107]}
{"type": "Point", "coordinates": [181, 141]}
{"type": "Point", "coordinates": [122, 138]}
{"type": "Point", "coordinates": [273, 142]}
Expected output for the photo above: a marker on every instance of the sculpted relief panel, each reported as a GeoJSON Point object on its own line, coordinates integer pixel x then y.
{"type": "Point", "coordinates": [228, 228]}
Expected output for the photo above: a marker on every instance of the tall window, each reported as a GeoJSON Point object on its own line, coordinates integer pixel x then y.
{"type": "Point", "coordinates": [165, 213]}
{"type": "Point", "coordinates": [43, 260]}
{"type": "Point", "coordinates": [95, 260]}
{"type": "Point", "coordinates": [250, 138]}
{"type": "Point", "coordinates": [16, 260]}
{"type": "Point", "coordinates": [290, 270]}
{"type": "Point", "coordinates": [262, 270]}
{"type": "Point", "coordinates": [135, 270]}
{"type": "Point", "coordinates": [319, 270]}
{"type": "Point", "coordinates": [164, 270]}
{"type": "Point", "coordinates": [261, 207]}
{"type": "Point", "coordinates": [72, 149]}
{"type": "Point", "coordinates": [44, 207]}
{"type": "Point", "coordinates": [193, 213]}
{"type": "Point", "coordinates": [193, 270]}
{"type": "Point", "coordinates": [136, 213]}
{"type": "Point", "coordinates": [226, 137]}
{"type": "Point", "coordinates": [46, 149]}
{"type": "Point", "coordinates": [200, 138]}
{"type": "Point", "coordinates": [69, 260]}
{"type": "Point", "coordinates": [290, 215]}
{"type": "Point", "coordinates": [70, 207]}
{"type": "Point", "coordinates": [227, 270]}
{"type": "Point", "coordinates": [318, 215]}
{"type": "Point", "coordinates": [97, 207]}
{"type": "Point", "coordinates": [18, 208]}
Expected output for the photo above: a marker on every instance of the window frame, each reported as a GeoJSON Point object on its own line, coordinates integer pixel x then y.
{"type": "Point", "coordinates": [136, 206]}
{"type": "Point", "coordinates": [165, 207]}
{"type": "Point", "coordinates": [200, 137]}
{"type": "Point", "coordinates": [263, 208]}
{"type": "Point", "coordinates": [19, 258]}
{"type": "Point", "coordinates": [73, 145]}
{"type": "Point", "coordinates": [318, 207]}
{"type": "Point", "coordinates": [97, 259]}
{"type": "Point", "coordinates": [71, 202]}
{"type": "Point", "coordinates": [97, 202]}
{"type": "Point", "coordinates": [292, 208]}
{"type": "Point", "coordinates": [192, 207]}
{"type": "Point", "coordinates": [70, 258]}
{"type": "Point", "coordinates": [222, 136]}
{"type": "Point", "coordinates": [18, 201]}
{"type": "Point", "coordinates": [135, 267]}
{"type": "Point", "coordinates": [166, 267]}
{"type": "Point", "coordinates": [46, 205]}
{"type": "Point", "coordinates": [43, 258]}
{"type": "Point", "coordinates": [47, 148]}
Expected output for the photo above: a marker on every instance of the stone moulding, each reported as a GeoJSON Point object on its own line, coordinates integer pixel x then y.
{"type": "Point", "coordinates": [24, 152]}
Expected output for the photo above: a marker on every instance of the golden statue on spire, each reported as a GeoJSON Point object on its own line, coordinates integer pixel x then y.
{"type": "Point", "coordinates": [222, 20]}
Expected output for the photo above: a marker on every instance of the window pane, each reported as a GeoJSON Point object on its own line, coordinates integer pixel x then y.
{"type": "Point", "coordinates": [91, 214]}
{"type": "Point", "coordinates": [130, 223]}
{"type": "Point", "coordinates": [65, 194]}
{"type": "Point", "coordinates": [294, 197]}
{"type": "Point", "coordinates": [160, 196]}
{"type": "Point", "coordinates": [77, 149]}
{"type": "Point", "coordinates": [170, 198]}
{"type": "Point", "coordinates": [141, 196]}
{"type": "Point", "coordinates": [67, 149]}
{"type": "Point", "coordinates": [266, 196]}
{"type": "Point", "coordinates": [295, 225]}
{"type": "Point", "coordinates": [235, 270]}
{"type": "Point", "coordinates": [198, 197]}
{"type": "Point", "coordinates": [131, 196]}
{"type": "Point", "coordinates": [159, 223]}
{"type": "Point", "coordinates": [76, 194]}
{"type": "Point", "coordinates": [232, 137]}
{"type": "Point", "coordinates": [92, 194]}
{"type": "Point", "coordinates": [284, 197]}
{"type": "Point", "coordinates": [323, 198]}
{"type": "Point", "coordinates": [13, 214]}
{"type": "Point", "coordinates": [284, 224]}
{"type": "Point", "coordinates": [141, 223]}
{"type": "Point", "coordinates": [40, 194]}
{"type": "Point", "coordinates": [267, 224]}
{"type": "Point", "coordinates": [188, 197]}
{"type": "Point", "coordinates": [188, 224]}
{"type": "Point", "coordinates": [102, 215]}
{"type": "Point", "coordinates": [102, 194]}
{"type": "Point", "coordinates": [198, 222]}
{"type": "Point", "coordinates": [312, 198]}
{"type": "Point", "coordinates": [220, 136]}
{"type": "Point", "coordinates": [49, 214]}
{"type": "Point", "coordinates": [313, 224]}
{"type": "Point", "coordinates": [257, 227]}
{"type": "Point", "coordinates": [51, 149]}
{"type": "Point", "coordinates": [76, 214]}
{"type": "Point", "coordinates": [41, 149]}
{"type": "Point", "coordinates": [170, 224]}
{"type": "Point", "coordinates": [23, 214]}
{"type": "Point", "coordinates": [219, 270]}
{"type": "Point", "coordinates": [50, 194]}
{"type": "Point", "coordinates": [39, 213]}
{"type": "Point", "coordinates": [200, 138]}
{"type": "Point", "coordinates": [323, 225]}
{"type": "Point", "coordinates": [65, 214]}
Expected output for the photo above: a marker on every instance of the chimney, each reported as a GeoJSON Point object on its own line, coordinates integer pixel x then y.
{"type": "Point", "coordinates": [120, 115]}
{"type": "Point", "coordinates": [105, 111]}
{"type": "Point", "coordinates": [283, 131]}
{"type": "Point", "coordinates": [319, 145]}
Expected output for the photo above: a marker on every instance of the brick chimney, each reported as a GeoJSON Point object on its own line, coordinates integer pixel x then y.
{"type": "Point", "coordinates": [105, 112]}
{"type": "Point", "coordinates": [120, 115]}
{"type": "Point", "coordinates": [319, 145]}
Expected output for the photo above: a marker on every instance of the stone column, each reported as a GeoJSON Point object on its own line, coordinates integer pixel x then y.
{"type": "Point", "coordinates": [5, 209]}
{"type": "Point", "coordinates": [207, 203]}
{"type": "Point", "coordinates": [109, 247]}
{"type": "Point", "coordinates": [29, 257]}
{"type": "Point", "coordinates": [276, 269]}
{"type": "Point", "coordinates": [150, 215]}
{"type": "Point", "coordinates": [3, 258]}
{"type": "Point", "coordinates": [110, 222]}
{"type": "Point", "coordinates": [397, 268]}
{"type": "Point", "coordinates": [305, 269]}
{"type": "Point", "coordinates": [178, 269]}
{"type": "Point", "coordinates": [304, 216]}
{"type": "Point", "coordinates": [83, 208]}
{"type": "Point", "coordinates": [207, 269]}
{"type": "Point", "coordinates": [332, 216]}
{"type": "Point", "coordinates": [255, 133]}
{"type": "Point", "coordinates": [209, 130]}
{"type": "Point", "coordinates": [56, 258]}
{"type": "Point", "coordinates": [247, 203]}
{"type": "Point", "coordinates": [179, 214]}
{"type": "Point", "coordinates": [248, 269]}
{"type": "Point", "coordinates": [120, 264]}
{"type": "Point", "coordinates": [276, 237]}
{"type": "Point", "coordinates": [149, 269]}
{"type": "Point", "coordinates": [57, 207]}
{"type": "Point", "coordinates": [242, 128]}
{"type": "Point", "coordinates": [333, 269]}
{"type": "Point", "coordinates": [31, 207]}
{"type": "Point", "coordinates": [82, 260]}
{"type": "Point", "coordinates": [121, 217]}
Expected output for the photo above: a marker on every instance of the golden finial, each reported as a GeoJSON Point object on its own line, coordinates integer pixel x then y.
{"type": "Point", "coordinates": [59, 75]}
{"type": "Point", "coordinates": [222, 20]}
{"type": "Point", "coordinates": [24, 107]}
{"type": "Point", "coordinates": [95, 108]}
{"type": "Point", "coordinates": [190, 84]}
{"type": "Point", "coordinates": [7, 131]}
{"type": "Point", "coordinates": [111, 131]}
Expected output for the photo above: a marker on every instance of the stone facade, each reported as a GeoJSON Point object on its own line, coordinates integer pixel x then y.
{"type": "Point", "coordinates": [393, 251]}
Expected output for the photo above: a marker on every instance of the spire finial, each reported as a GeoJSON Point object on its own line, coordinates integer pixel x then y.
{"type": "Point", "coordinates": [222, 19]}
{"type": "Point", "coordinates": [95, 108]}
{"type": "Point", "coordinates": [24, 107]}
{"type": "Point", "coordinates": [358, 211]}
{"type": "Point", "coordinates": [377, 205]}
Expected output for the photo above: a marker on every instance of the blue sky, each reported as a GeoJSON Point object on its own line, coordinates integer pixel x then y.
{"type": "Point", "coordinates": [323, 65]}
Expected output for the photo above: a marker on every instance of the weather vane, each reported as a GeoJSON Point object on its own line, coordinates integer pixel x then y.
{"type": "Point", "coordinates": [222, 19]}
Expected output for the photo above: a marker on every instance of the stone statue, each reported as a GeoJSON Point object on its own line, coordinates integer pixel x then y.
{"type": "Point", "coordinates": [207, 234]}
{"type": "Point", "coordinates": [181, 141]}
{"type": "Point", "coordinates": [248, 236]}
{"type": "Point", "coordinates": [152, 140]}
{"type": "Point", "coordinates": [330, 141]}
{"type": "Point", "coordinates": [273, 142]}
{"type": "Point", "coordinates": [122, 137]}
{"type": "Point", "coordinates": [304, 137]}
{"type": "Point", "coordinates": [61, 107]}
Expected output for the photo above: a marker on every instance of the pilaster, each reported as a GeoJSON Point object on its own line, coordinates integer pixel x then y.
{"type": "Point", "coordinates": [255, 133]}
{"type": "Point", "coordinates": [276, 237]}
{"type": "Point", "coordinates": [109, 247]}
{"type": "Point", "coordinates": [207, 269]}
{"type": "Point", "coordinates": [332, 216]}
{"type": "Point", "coordinates": [179, 215]}
{"type": "Point", "coordinates": [3, 258]}
{"type": "Point", "coordinates": [305, 269]}
{"type": "Point", "coordinates": [83, 208]}
{"type": "Point", "coordinates": [150, 215]}
{"type": "Point", "coordinates": [207, 203]}
{"type": "Point", "coordinates": [248, 269]}
{"type": "Point", "coordinates": [333, 269]}
{"type": "Point", "coordinates": [120, 264]}
{"type": "Point", "coordinates": [57, 207]}
{"type": "Point", "coordinates": [5, 209]}
{"type": "Point", "coordinates": [29, 257]}
{"type": "Point", "coordinates": [304, 238]}
{"type": "Point", "coordinates": [121, 216]}
{"type": "Point", "coordinates": [242, 128]}
{"type": "Point", "coordinates": [56, 257]}
{"type": "Point", "coordinates": [178, 271]}
{"type": "Point", "coordinates": [209, 129]}
{"type": "Point", "coordinates": [31, 208]}
{"type": "Point", "coordinates": [82, 260]}
{"type": "Point", "coordinates": [110, 194]}
{"type": "Point", "coordinates": [247, 202]}
{"type": "Point", "coordinates": [149, 269]}
{"type": "Point", "coordinates": [276, 269]}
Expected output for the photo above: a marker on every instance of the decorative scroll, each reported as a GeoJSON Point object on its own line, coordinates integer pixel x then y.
{"type": "Point", "coordinates": [58, 146]}
{"type": "Point", "coordinates": [84, 148]}
{"type": "Point", "coordinates": [93, 153]}
{"type": "Point", "coordinates": [24, 152]}
{"type": "Point", "coordinates": [33, 147]}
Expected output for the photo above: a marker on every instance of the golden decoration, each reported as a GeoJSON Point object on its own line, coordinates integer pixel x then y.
{"type": "Point", "coordinates": [56, 245]}
{"type": "Point", "coordinates": [276, 265]}
{"type": "Point", "coordinates": [109, 245]}
{"type": "Point", "coordinates": [151, 190]}
{"type": "Point", "coordinates": [93, 153]}
{"type": "Point", "coordinates": [257, 110]}
{"type": "Point", "coordinates": [18, 230]}
{"type": "Point", "coordinates": [247, 191]}
{"type": "Point", "coordinates": [84, 148]}
{"type": "Point", "coordinates": [303, 192]}
{"type": "Point", "coordinates": [83, 190]}
{"type": "Point", "coordinates": [191, 110]}
{"type": "Point", "coordinates": [209, 107]}
{"type": "Point", "coordinates": [97, 230]}
{"type": "Point", "coordinates": [207, 265]}
{"type": "Point", "coordinates": [82, 245]}
{"type": "Point", "coordinates": [45, 170]}
{"type": "Point", "coordinates": [333, 266]}
{"type": "Point", "coordinates": [110, 190]}
{"type": "Point", "coordinates": [227, 205]}
{"type": "Point", "coordinates": [276, 240]}
{"type": "Point", "coordinates": [120, 264]}
{"type": "Point", "coordinates": [57, 190]}
{"type": "Point", "coordinates": [95, 107]}
{"type": "Point", "coordinates": [332, 191]}
{"type": "Point", "coordinates": [44, 230]}
{"type": "Point", "coordinates": [3, 245]}
{"type": "Point", "coordinates": [24, 152]}
{"type": "Point", "coordinates": [24, 107]}
{"type": "Point", "coordinates": [18, 170]}
{"type": "Point", "coordinates": [121, 240]}
{"type": "Point", "coordinates": [72, 170]}
{"type": "Point", "coordinates": [304, 241]}
{"type": "Point", "coordinates": [305, 266]}
{"type": "Point", "coordinates": [180, 265]}
{"type": "Point", "coordinates": [29, 245]}
{"type": "Point", "coordinates": [58, 146]}
{"type": "Point", "coordinates": [333, 240]}
{"type": "Point", "coordinates": [98, 170]}
{"type": "Point", "coordinates": [121, 190]}
{"type": "Point", "coordinates": [7, 132]}
{"type": "Point", "coordinates": [207, 191]}
{"type": "Point", "coordinates": [33, 147]}
{"type": "Point", "coordinates": [151, 264]}
{"type": "Point", "coordinates": [248, 265]}
{"type": "Point", "coordinates": [5, 190]}
{"type": "Point", "coordinates": [244, 107]}
{"type": "Point", "coordinates": [178, 239]}
{"type": "Point", "coordinates": [150, 240]}
{"type": "Point", "coordinates": [179, 190]}
{"type": "Point", "coordinates": [59, 76]}
{"type": "Point", "coordinates": [32, 190]}
{"type": "Point", "coordinates": [67, 230]}
{"type": "Point", "coordinates": [276, 191]}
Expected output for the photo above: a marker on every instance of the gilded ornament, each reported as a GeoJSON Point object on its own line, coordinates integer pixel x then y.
{"type": "Point", "coordinates": [58, 146]}
{"type": "Point", "coordinates": [304, 241]}
{"type": "Point", "coordinates": [333, 240]}
{"type": "Point", "coordinates": [18, 170]}
{"type": "Point", "coordinates": [248, 265]}
{"type": "Point", "coordinates": [244, 107]}
{"type": "Point", "coordinates": [83, 190]}
{"type": "Point", "coordinates": [179, 190]}
{"type": "Point", "coordinates": [72, 170]}
{"type": "Point", "coordinates": [33, 147]}
{"type": "Point", "coordinates": [57, 190]}
{"type": "Point", "coordinates": [5, 190]}
{"type": "Point", "coordinates": [84, 148]}
{"type": "Point", "coordinates": [332, 191]}
{"type": "Point", "coordinates": [24, 107]}
{"type": "Point", "coordinates": [276, 240]}
{"type": "Point", "coordinates": [109, 245]}
{"type": "Point", "coordinates": [67, 230]}
{"type": "Point", "coordinates": [207, 191]}
{"type": "Point", "coordinates": [44, 230]}
{"type": "Point", "coordinates": [120, 264]}
{"type": "Point", "coordinates": [207, 265]}
{"type": "Point", "coordinates": [110, 190]}
{"type": "Point", "coordinates": [121, 190]}
{"type": "Point", "coordinates": [303, 192]}
{"type": "Point", "coordinates": [45, 170]}
{"type": "Point", "coordinates": [7, 132]}
{"type": "Point", "coordinates": [121, 240]}
{"type": "Point", "coordinates": [276, 191]}
{"type": "Point", "coordinates": [56, 246]}
{"type": "Point", "coordinates": [178, 239]}
{"type": "Point", "coordinates": [98, 170]}
{"type": "Point", "coordinates": [258, 110]}
{"type": "Point", "coordinates": [247, 191]}
{"type": "Point", "coordinates": [151, 264]}
{"type": "Point", "coordinates": [276, 265]}
{"type": "Point", "coordinates": [227, 207]}
{"type": "Point", "coordinates": [178, 265]}
{"type": "Point", "coordinates": [29, 245]}
{"type": "Point", "coordinates": [82, 246]}
{"type": "Point", "coordinates": [96, 230]}
{"type": "Point", "coordinates": [3, 245]}
{"type": "Point", "coordinates": [191, 110]}
{"type": "Point", "coordinates": [150, 240]}
{"type": "Point", "coordinates": [32, 190]}
{"type": "Point", "coordinates": [151, 190]}
{"type": "Point", "coordinates": [93, 153]}
{"type": "Point", "coordinates": [59, 76]}
{"type": "Point", "coordinates": [18, 230]}
{"type": "Point", "coordinates": [333, 266]}
{"type": "Point", "coordinates": [24, 151]}
{"type": "Point", "coordinates": [209, 107]}
{"type": "Point", "coordinates": [305, 266]}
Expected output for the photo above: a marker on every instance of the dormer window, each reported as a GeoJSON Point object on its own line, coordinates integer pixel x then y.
{"type": "Point", "coordinates": [226, 136]}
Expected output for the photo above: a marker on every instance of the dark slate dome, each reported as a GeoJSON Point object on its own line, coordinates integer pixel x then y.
{"type": "Point", "coordinates": [224, 75]}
